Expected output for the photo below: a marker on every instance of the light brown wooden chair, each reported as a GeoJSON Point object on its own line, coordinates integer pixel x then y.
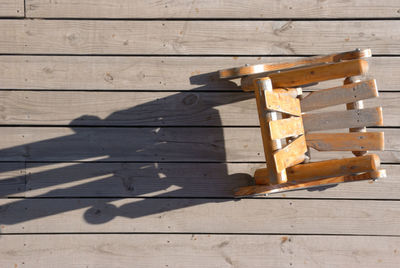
{"type": "Point", "coordinates": [289, 127]}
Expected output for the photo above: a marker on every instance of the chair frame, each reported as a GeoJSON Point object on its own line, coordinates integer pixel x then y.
{"type": "Point", "coordinates": [288, 129]}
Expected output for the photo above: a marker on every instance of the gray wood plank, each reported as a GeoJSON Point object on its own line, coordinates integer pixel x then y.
{"type": "Point", "coordinates": [149, 108]}
{"type": "Point", "coordinates": [165, 180]}
{"type": "Point", "coordinates": [181, 215]}
{"type": "Point", "coordinates": [122, 250]}
{"type": "Point", "coordinates": [12, 8]}
{"type": "Point", "coordinates": [168, 144]}
{"type": "Point", "coordinates": [255, 9]}
{"type": "Point", "coordinates": [12, 179]}
{"type": "Point", "coordinates": [177, 180]}
{"type": "Point", "coordinates": [151, 73]}
{"type": "Point", "coordinates": [197, 37]}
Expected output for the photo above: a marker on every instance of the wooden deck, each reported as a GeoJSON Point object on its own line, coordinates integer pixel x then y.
{"type": "Point", "coordinates": [120, 148]}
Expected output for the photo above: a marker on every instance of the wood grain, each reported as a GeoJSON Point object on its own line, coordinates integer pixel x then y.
{"type": "Point", "coordinates": [181, 215]}
{"type": "Point", "coordinates": [198, 250]}
{"type": "Point", "coordinates": [11, 8]}
{"type": "Point", "coordinates": [152, 73]}
{"type": "Point", "coordinates": [150, 108]}
{"type": "Point", "coordinates": [254, 9]}
{"type": "Point", "coordinates": [168, 144]}
{"type": "Point", "coordinates": [197, 37]}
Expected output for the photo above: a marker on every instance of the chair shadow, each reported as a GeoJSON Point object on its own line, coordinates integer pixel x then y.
{"type": "Point", "coordinates": [143, 161]}
{"type": "Point", "coordinates": [135, 156]}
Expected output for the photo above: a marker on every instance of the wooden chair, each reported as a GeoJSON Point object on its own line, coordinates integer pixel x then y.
{"type": "Point", "coordinates": [289, 128]}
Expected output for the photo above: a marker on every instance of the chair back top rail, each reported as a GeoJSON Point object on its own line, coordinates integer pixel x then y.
{"type": "Point", "coordinates": [308, 75]}
{"type": "Point", "coordinates": [263, 68]}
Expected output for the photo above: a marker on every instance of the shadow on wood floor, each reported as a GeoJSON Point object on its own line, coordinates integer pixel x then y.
{"type": "Point", "coordinates": [159, 158]}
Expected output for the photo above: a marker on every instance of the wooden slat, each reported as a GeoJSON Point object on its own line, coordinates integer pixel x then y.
{"type": "Point", "coordinates": [198, 250]}
{"type": "Point", "coordinates": [283, 103]}
{"type": "Point", "coordinates": [183, 215]}
{"type": "Point", "coordinates": [255, 9]}
{"type": "Point", "coordinates": [339, 95]}
{"type": "Point", "coordinates": [197, 37]}
{"type": "Point", "coordinates": [165, 179]}
{"type": "Point", "coordinates": [287, 127]}
{"type": "Point", "coordinates": [11, 8]}
{"type": "Point", "coordinates": [291, 154]}
{"type": "Point", "coordinates": [149, 108]}
{"type": "Point", "coordinates": [150, 144]}
{"type": "Point", "coordinates": [151, 73]}
{"type": "Point", "coordinates": [343, 119]}
{"type": "Point", "coordinates": [310, 74]}
{"type": "Point", "coordinates": [355, 141]}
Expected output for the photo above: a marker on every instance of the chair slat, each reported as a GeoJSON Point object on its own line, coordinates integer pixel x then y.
{"type": "Point", "coordinates": [343, 119]}
{"type": "Point", "coordinates": [354, 141]}
{"type": "Point", "coordinates": [283, 103]}
{"type": "Point", "coordinates": [285, 128]}
{"type": "Point", "coordinates": [339, 95]}
{"type": "Point", "coordinates": [291, 154]}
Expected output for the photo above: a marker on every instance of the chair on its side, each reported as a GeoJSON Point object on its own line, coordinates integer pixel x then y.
{"type": "Point", "coordinates": [289, 127]}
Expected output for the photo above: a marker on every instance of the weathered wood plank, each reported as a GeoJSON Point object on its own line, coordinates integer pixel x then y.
{"type": "Point", "coordinates": [12, 179]}
{"type": "Point", "coordinates": [149, 108]}
{"type": "Point", "coordinates": [151, 73]}
{"type": "Point", "coordinates": [165, 179]}
{"type": "Point", "coordinates": [200, 216]}
{"type": "Point", "coordinates": [176, 180]}
{"type": "Point", "coordinates": [151, 144]}
{"type": "Point", "coordinates": [11, 8]}
{"type": "Point", "coordinates": [197, 37]}
{"type": "Point", "coordinates": [255, 9]}
{"type": "Point", "coordinates": [198, 250]}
